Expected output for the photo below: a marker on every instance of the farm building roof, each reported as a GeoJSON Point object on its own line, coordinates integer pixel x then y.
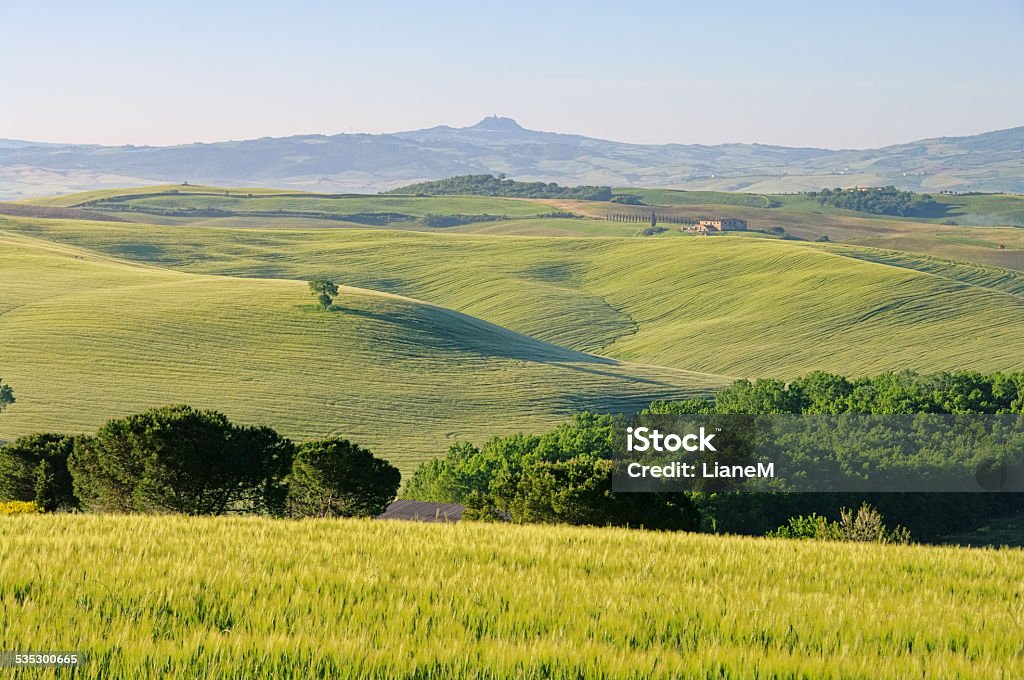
{"type": "Point", "coordinates": [423, 511]}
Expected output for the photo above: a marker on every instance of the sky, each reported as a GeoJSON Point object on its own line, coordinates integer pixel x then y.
{"type": "Point", "coordinates": [822, 74]}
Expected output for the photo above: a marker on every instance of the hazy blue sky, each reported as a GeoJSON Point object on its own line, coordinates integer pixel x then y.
{"type": "Point", "coordinates": [829, 74]}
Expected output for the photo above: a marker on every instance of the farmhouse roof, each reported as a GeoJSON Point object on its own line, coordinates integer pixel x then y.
{"type": "Point", "coordinates": [423, 511]}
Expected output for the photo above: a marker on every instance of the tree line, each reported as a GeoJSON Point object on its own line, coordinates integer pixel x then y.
{"type": "Point", "coordinates": [181, 459]}
{"type": "Point", "coordinates": [184, 460]}
{"type": "Point", "coordinates": [489, 185]}
{"type": "Point", "coordinates": [565, 476]}
{"type": "Point", "coordinates": [651, 217]}
{"type": "Point", "coordinates": [878, 200]}
{"type": "Point", "coordinates": [457, 219]}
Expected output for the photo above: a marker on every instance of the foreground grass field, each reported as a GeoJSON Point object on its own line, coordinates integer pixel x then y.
{"type": "Point", "coordinates": [86, 338]}
{"type": "Point", "coordinates": [148, 597]}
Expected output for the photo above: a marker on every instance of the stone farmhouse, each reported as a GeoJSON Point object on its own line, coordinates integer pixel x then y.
{"type": "Point", "coordinates": [721, 224]}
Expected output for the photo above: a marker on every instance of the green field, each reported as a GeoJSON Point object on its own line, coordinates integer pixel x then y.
{"type": "Point", "coordinates": [458, 334]}
{"type": "Point", "coordinates": [674, 197]}
{"type": "Point", "coordinates": [407, 205]}
{"type": "Point", "coordinates": [463, 332]}
{"type": "Point", "coordinates": [733, 306]}
{"type": "Point", "coordinates": [88, 338]}
{"type": "Point", "coordinates": [170, 596]}
{"type": "Point", "coordinates": [965, 210]}
{"type": "Point", "coordinates": [244, 200]}
{"type": "Point", "coordinates": [952, 233]}
{"type": "Point", "coordinates": [76, 199]}
{"type": "Point", "coordinates": [975, 237]}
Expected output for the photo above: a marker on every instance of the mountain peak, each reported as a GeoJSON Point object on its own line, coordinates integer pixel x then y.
{"type": "Point", "coordinates": [497, 123]}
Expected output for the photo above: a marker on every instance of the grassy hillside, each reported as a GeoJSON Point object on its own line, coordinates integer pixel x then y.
{"type": "Point", "coordinates": [150, 597]}
{"type": "Point", "coordinates": [966, 209]}
{"type": "Point", "coordinates": [86, 338]}
{"type": "Point", "coordinates": [674, 197]}
{"type": "Point", "coordinates": [550, 227]}
{"type": "Point", "coordinates": [734, 306]}
{"type": "Point", "coordinates": [943, 234]}
{"type": "Point", "coordinates": [805, 219]}
{"type": "Point", "coordinates": [416, 206]}
{"type": "Point", "coordinates": [242, 201]}
{"type": "Point", "coordinates": [78, 198]}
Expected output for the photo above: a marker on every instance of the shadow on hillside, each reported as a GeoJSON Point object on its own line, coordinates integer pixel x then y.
{"type": "Point", "coordinates": [445, 330]}
{"type": "Point", "coordinates": [932, 211]}
{"type": "Point", "coordinates": [578, 402]}
{"type": "Point", "coordinates": [147, 252]}
{"type": "Point", "coordinates": [388, 285]}
{"type": "Point", "coordinates": [617, 376]}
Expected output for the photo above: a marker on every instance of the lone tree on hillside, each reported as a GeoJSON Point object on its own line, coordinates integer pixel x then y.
{"type": "Point", "coordinates": [6, 395]}
{"type": "Point", "coordinates": [325, 290]}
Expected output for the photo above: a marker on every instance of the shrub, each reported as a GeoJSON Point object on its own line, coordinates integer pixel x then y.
{"type": "Point", "coordinates": [865, 526]}
{"type": "Point", "coordinates": [626, 199]}
{"type": "Point", "coordinates": [19, 508]}
{"type": "Point", "coordinates": [799, 527]}
{"type": "Point", "coordinates": [35, 468]}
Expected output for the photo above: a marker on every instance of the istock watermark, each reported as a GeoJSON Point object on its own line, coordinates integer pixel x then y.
{"type": "Point", "coordinates": [645, 439]}
{"type": "Point", "coordinates": [821, 453]}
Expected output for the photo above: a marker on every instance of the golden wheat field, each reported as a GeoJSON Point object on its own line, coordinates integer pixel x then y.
{"type": "Point", "coordinates": [247, 598]}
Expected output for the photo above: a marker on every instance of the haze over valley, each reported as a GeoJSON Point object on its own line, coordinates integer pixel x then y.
{"type": "Point", "coordinates": [368, 163]}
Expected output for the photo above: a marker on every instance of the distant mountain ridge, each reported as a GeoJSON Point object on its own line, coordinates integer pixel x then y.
{"type": "Point", "coordinates": [991, 162]}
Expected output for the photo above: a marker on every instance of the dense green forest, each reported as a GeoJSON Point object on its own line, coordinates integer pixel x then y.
{"type": "Point", "coordinates": [489, 185]}
{"type": "Point", "coordinates": [879, 201]}
{"type": "Point", "coordinates": [565, 476]}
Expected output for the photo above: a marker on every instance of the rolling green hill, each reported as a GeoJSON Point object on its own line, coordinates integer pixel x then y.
{"type": "Point", "coordinates": [734, 306]}
{"type": "Point", "coordinates": [86, 337]}
{"type": "Point", "coordinates": [466, 331]}
{"type": "Point", "coordinates": [675, 197]}
{"type": "Point", "coordinates": [802, 218]}
{"type": "Point", "coordinates": [413, 206]}
{"type": "Point", "coordinates": [798, 215]}
{"type": "Point", "coordinates": [958, 209]}
{"type": "Point", "coordinates": [249, 200]}
{"type": "Point", "coordinates": [70, 200]}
